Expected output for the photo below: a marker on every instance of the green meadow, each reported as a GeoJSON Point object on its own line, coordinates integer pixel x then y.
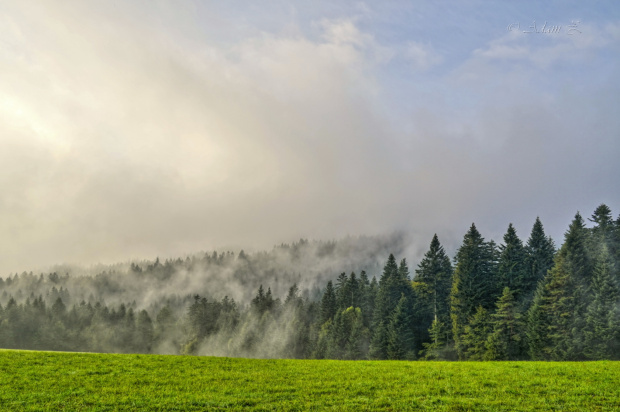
{"type": "Point", "coordinates": [83, 381]}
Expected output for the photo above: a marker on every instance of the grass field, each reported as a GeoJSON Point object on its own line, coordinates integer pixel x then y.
{"type": "Point", "coordinates": [80, 381]}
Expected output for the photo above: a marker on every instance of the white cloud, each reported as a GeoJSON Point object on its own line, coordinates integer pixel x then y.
{"type": "Point", "coordinates": [422, 56]}
{"type": "Point", "coordinates": [125, 133]}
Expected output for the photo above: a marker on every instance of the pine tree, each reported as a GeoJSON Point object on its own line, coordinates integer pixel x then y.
{"type": "Point", "coordinates": [560, 310]}
{"type": "Point", "coordinates": [474, 283]}
{"type": "Point", "coordinates": [603, 232]}
{"type": "Point", "coordinates": [384, 306]}
{"type": "Point", "coordinates": [436, 349]}
{"type": "Point", "coordinates": [345, 337]}
{"type": "Point", "coordinates": [538, 322]}
{"type": "Point", "coordinates": [505, 342]}
{"type": "Point", "coordinates": [540, 251]}
{"type": "Point", "coordinates": [341, 295]}
{"type": "Point", "coordinates": [292, 298]}
{"type": "Point", "coordinates": [328, 303]}
{"type": "Point", "coordinates": [575, 248]}
{"type": "Point", "coordinates": [400, 335]}
{"type": "Point", "coordinates": [435, 272]}
{"type": "Point", "coordinates": [512, 272]}
{"type": "Point", "coordinates": [606, 233]}
{"type": "Point", "coordinates": [367, 296]}
{"type": "Point", "coordinates": [144, 333]}
{"type": "Point", "coordinates": [602, 322]}
{"type": "Point", "coordinates": [579, 265]}
{"type": "Point", "coordinates": [350, 292]}
{"type": "Point", "coordinates": [476, 334]}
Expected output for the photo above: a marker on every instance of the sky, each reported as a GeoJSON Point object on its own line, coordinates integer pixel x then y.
{"type": "Point", "coordinates": [134, 129]}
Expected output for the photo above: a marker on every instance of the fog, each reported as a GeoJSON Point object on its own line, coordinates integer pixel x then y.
{"type": "Point", "coordinates": [130, 130]}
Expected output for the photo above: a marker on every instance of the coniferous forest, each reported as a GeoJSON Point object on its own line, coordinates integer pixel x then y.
{"type": "Point", "coordinates": [519, 300]}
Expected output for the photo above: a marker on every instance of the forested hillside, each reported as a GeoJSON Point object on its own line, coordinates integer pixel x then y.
{"type": "Point", "coordinates": [517, 300]}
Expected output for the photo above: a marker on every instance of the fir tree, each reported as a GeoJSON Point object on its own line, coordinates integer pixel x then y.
{"type": "Point", "coordinates": [579, 265]}
{"type": "Point", "coordinates": [512, 271]}
{"type": "Point", "coordinates": [437, 347]}
{"type": "Point", "coordinates": [475, 335]}
{"type": "Point", "coordinates": [603, 232]}
{"type": "Point", "coordinates": [341, 293]}
{"type": "Point", "coordinates": [367, 299]}
{"type": "Point", "coordinates": [537, 327]}
{"type": "Point", "coordinates": [560, 310]}
{"type": "Point", "coordinates": [474, 283]}
{"type": "Point", "coordinates": [575, 249]}
{"type": "Point", "coordinates": [606, 233]}
{"type": "Point", "coordinates": [602, 322]}
{"type": "Point", "coordinates": [387, 299]}
{"type": "Point", "coordinates": [505, 342]}
{"type": "Point", "coordinates": [435, 271]}
{"type": "Point", "coordinates": [400, 336]}
{"type": "Point", "coordinates": [540, 251]}
{"type": "Point", "coordinates": [328, 303]}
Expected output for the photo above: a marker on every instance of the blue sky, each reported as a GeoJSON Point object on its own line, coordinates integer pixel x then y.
{"type": "Point", "coordinates": [131, 129]}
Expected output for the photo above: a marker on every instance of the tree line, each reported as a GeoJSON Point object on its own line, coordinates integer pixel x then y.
{"type": "Point", "coordinates": [513, 301]}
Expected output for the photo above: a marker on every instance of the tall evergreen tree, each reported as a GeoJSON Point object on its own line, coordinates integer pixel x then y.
{"type": "Point", "coordinates": [435, 271]}
{"type": "Point", "coordinates": [144, 333]}
{"type": "Point", "coordinates": [512, 269]}
{"type": "Point", "coordinates": [400, 332]}
{"type": "Point", "coordinates": [505, 342]}
{"type": "Point", "coordinates": [575, 248]}
{"type": "Point", "coordinates": [579, 264]}
{"type": "Point", "coordinates": [341, 285]}
{"type": "Point", "coordinates": [540, 251]}
{"type": "Point", "coordinates": [367, 299]}
{"type": "Point", "coordinates": [474, 283]}
{"type": "Point", "coordinates": [328, 303]}
{"type": "Point", "coordinates": [603, 232]}
{"type": "Point", "coordinates": [602, 324]}
{"type": "Point", "coordinates": [606, 233]}
{"type": "Point", "coordinates": [394, 283]}
{"type": "Point", "coordinates": [537, 323]}
{"type": "Point", "coordinates": [476, 334]}
{"type": "Point", "coordinates": [560, 310]}
{"type": "Point", "coordinates": [439, 334]}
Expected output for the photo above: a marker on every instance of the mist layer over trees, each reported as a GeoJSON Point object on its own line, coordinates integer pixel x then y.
{"type": "Point", "coordinates": [521, 299]}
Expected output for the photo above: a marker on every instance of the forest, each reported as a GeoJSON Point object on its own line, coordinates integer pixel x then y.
{"type": "Point", "coordinates": [513, 301]}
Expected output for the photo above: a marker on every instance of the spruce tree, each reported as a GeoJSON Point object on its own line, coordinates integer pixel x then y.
{"type": "Point", "coordinates": [540, 251]}
{"type": "Point", "coordinates": [439, 334]}
{"type": "Point", "coordinates": [505, 342]}
{"type": "Point", "coordinates": [394, 283]}
{"type": "Point", "coordinates": [512, 272]}
{"type": "Point", "coordinates": [559, 308]}
{"type": "Point", "coordinates": [602, 323]}
{"type": "Point", "coordinates": [603, 232]}
{"type": "Point", "coordinates": [579, 265]}
{"type": "Point", "coordinates": [538, 322]}
{"type": "Point", "coordinates": [341, 284]}
{"type": "Point", "coordinates": [476, 334]}
{"type": "Point", "coordinates": [575, 248]}
{"type": "Point", "coordinates": [367, 299]}
{"type": "Point", "coordinates": [474, 283]}
{"type": "Point", "coordinates": [435, 272]}
{"type": "Point", "coordinates": [328, 303]}
{"type": "Point", "coordinates": [400, 334]}
{"type": "Point", "coordinates": [606, 232]}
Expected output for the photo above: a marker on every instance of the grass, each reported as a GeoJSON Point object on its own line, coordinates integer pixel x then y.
{"type": "Point", "coordinates": [37, 381]}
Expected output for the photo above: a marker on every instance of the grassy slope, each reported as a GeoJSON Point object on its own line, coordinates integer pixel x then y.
{"type": "Point", "coordinates": [57, 381]}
